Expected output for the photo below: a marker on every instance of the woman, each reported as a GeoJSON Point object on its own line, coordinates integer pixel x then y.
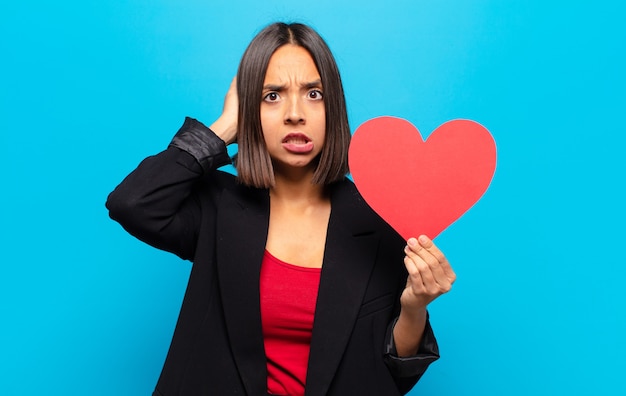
{"type": "Point", "coordinates": [297, 286]}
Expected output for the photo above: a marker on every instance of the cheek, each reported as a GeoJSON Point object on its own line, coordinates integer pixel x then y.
{"type": "Point", "coordinates": [271, 114]}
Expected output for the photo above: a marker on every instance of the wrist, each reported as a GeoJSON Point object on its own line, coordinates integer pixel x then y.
{"type": "Point", "coordinates": [225, 129]}
{"type": "Point", "coordinates": [413, 317]}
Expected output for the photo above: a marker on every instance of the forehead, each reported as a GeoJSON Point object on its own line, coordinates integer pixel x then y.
{"type": "Point", "coordinates": [291, 61]}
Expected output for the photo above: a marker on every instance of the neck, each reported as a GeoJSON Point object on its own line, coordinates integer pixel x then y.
{"type": "Point", "coordinates": [297, 189]}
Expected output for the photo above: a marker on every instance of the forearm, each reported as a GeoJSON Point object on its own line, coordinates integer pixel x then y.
{"type": "Point", "coordinates": [151, 194]}
{"type": "Point", "coordinates": [155, 203]}
{"type": "Point", "coordinates": [408, 367]}
{"type": "Point", "coordinates": [408, 332]}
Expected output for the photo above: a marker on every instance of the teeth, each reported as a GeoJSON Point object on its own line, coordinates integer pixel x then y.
{"type": "Point", "coordinates": [295, 140]}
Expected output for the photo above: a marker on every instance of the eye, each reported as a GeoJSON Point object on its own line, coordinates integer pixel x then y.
{"type": "Point", "coordinates": [271, 97]}
{"type": "Point", "coordinates": [315, 94]}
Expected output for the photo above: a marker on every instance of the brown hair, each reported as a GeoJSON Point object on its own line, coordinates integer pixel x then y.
{"type": "Point", "coordinates": [253, 163]}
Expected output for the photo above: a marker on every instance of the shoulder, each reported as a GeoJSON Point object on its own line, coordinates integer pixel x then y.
{"type": "Point", "coordinates": [344, 193]}
{"type": "Point", "coordinates": [346, 197]}
{"type": "Point", "coordinates": [348, 203]}
{"type": "Point", "coordinates": [220, 184]}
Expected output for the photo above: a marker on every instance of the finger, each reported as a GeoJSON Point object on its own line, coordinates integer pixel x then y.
{"type": "Point", "coordinates": [417, 250]}
{"type": "Point", "coordinates": [437, 276]}
{"type": "Point", "coordinates": [414, 280]}
{"type": "Point", "coordinates": [421, 275]}
{"type": "Point", "coordinates": [448, 271]}
{"type": "Point", "coordinates": [231, 101]}
{"type": "Point", "coordinates": [444, 264]}
{"type": "Point", "coordinates": [427, 245]}
{"type": "Point", "coordinates": [431, 248]}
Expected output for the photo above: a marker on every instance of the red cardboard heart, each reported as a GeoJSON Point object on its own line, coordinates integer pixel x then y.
{"type": "Point", "coordinates": [421, 187]}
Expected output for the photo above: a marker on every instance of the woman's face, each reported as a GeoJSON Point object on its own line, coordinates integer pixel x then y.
{"type": "Point", "coordinates": [293, 117]}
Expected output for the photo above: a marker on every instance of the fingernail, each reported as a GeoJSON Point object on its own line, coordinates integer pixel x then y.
{"type": "Point", "coordinates": [412, 241]}
{"type": "Point", "coordinates": [423, 239]}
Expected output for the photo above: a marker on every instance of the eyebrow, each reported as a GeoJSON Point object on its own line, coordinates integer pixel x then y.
{"type": "Point", "coordinates": [308, 85]}
{"type": "Point", "coordinates": [313, 84]}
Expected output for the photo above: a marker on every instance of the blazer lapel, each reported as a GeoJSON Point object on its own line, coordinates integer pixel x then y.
{"type": "Point", "coordinates": [348, 261]}
{"type": "Point", "coordinates": [242, 232]}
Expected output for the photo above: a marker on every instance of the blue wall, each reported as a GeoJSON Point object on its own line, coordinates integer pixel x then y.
{"type": "Point", "coordinates": [88, 88]}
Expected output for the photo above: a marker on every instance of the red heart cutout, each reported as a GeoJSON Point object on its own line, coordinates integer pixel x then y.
{"type": "Point", "coordinates": [421, 187]}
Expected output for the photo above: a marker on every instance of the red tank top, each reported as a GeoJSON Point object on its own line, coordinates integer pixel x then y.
{"type": "Point", "coordinates": [288, 296]}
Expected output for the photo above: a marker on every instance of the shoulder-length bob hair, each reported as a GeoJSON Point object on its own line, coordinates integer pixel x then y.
{"type": "Point", "coordinates": [253, 163]}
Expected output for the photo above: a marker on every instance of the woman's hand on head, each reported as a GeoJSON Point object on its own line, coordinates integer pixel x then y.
{"type": "Point", "coordinates": [430, 274]}
{"type": "Point", "coordinates": [226, 125]}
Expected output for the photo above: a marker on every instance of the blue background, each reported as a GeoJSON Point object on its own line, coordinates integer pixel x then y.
{"type": "Point", "coordinates": [89, 88]}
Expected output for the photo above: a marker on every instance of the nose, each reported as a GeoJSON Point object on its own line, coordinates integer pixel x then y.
{"type": "Point", "coordinates": [294, 112]}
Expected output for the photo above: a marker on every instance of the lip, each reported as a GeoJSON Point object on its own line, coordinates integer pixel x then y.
{"type": "Point", "coordinates": [298, 143]}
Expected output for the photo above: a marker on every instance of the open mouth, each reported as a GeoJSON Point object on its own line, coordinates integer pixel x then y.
{"type": "Point", "coordinates": [296, 138]}
{"type": "Point", "coordinates": [298, 143]}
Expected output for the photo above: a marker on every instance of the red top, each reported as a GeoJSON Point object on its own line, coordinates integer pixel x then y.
{"type": "Point", "coordinates": [288, 297]}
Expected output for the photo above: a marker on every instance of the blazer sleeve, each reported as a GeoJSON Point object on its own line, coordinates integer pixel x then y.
{"type": "Point", "coordinates": [408, 370]}
{"type": "Point", "coordinates": [156, 202]}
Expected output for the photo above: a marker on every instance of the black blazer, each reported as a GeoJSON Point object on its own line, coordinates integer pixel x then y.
{"type": "Point", "coordinates": [178, 202]}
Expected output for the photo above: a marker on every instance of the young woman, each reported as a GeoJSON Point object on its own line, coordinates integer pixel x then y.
{"type": "Point", "coordinates": [297, 286]}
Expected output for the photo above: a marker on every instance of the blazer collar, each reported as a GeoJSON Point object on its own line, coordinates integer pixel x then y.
{"type": "Point", "coordinates": [242, 224]}
{"type": "Point", "coordinates": [349, 257]}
